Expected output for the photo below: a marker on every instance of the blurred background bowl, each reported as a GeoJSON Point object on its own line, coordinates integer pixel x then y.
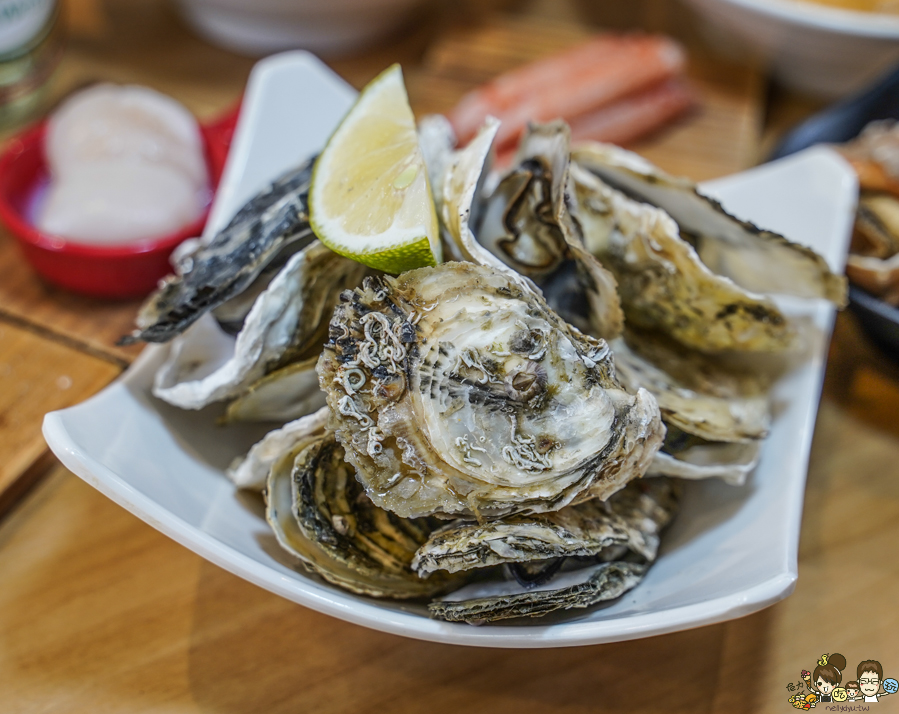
{"type": "Point", "coordinates": [818, 49]}
{"type": "Point", "coordinates": [329, 27]}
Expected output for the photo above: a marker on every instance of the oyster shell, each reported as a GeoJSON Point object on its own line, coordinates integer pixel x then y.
{"type": "Point", "coordinates": [251, 471]}
{"type": "Point", "coordinates": [463, 178]}
{"type": "Point", "coordinates": [646, 506]}
{"type": "Point", "coordinates": [732, 463]}
{"type": "Point", "coordinates": [456, 390]}
{"type": "Point", "coordinates": [694, 394]}
{"type": "Point", "coordinates": [586, 529]}
{"type": "Point", "coordinates": [320, 514]}
{"type": "Point", "coordinates": [282, 395]}
{"type": "Point", "coordinates": [287, 322]}
{"type": "Point", "coordinates": [527, 224]}
{"type": "Point", "coordinates": [579, 589]}
{"type": "Point", "coordinates": [758, 260]}
{"type": "Point", "coordinates": [273, 221]}
{"type": "Point", "coordinates": [661, 280]}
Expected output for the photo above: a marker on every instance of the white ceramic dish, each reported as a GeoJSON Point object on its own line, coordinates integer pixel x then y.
{"type": "Point", "coordinates": [819, 49]}
{"type": "Point", "coordinates": [731, 551]}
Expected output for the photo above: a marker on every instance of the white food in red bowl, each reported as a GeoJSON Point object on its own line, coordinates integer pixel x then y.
{"type": "Point", "coordinates": [816, 48]}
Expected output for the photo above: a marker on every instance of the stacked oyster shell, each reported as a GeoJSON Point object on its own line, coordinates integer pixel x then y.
{"type": "Point", "coordinates": [476, 434]}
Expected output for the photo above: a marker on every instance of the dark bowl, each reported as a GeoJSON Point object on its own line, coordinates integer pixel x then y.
{"type": "Point", "coordinates": [879, 320]}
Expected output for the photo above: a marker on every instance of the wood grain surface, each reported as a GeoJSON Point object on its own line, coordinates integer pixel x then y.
{"type": "Point", "coordinates": [37, 375]}
{"type": "Point", "coordinates": [100, 613]}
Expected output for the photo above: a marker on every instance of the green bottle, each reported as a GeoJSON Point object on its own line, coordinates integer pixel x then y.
{"type": "Point", "coordinates": [31, 39]}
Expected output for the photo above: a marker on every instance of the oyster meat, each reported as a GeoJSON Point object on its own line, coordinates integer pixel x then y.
{"type": "Point", "coordinates": [456, 390]}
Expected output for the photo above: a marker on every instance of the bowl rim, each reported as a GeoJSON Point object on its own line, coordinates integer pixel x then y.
{"type": "Point", "coordinates": [27, 233]}
{"type": "Point", "coordinates": [824, 17]}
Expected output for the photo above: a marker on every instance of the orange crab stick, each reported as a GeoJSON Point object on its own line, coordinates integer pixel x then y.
{"type": "Point", "coordinates": [592, 75]}
{"type": "Point", "coordinates": [634, 116]}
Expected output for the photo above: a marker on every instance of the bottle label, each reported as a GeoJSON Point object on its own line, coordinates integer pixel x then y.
{"type": "Point", "coordinates": [21, 21]}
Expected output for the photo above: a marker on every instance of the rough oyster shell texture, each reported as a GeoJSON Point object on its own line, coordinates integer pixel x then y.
{"type": "Point", "coordinates": [456, 390]}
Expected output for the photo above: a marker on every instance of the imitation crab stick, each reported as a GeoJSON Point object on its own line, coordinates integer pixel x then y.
{"type": "Point", "coordinates": [636, 115]}
{"type": "Point", "coordinates": [592, 75]}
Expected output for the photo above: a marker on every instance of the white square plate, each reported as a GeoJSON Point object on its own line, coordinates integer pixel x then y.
{"type": "Point", "coordinates": [730, 551]}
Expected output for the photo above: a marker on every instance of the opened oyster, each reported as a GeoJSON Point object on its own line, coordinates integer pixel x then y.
{"type": "Point", "coordinates": [527, 224]}
{"type": "Point", "coordinates": [456, 390]}
{"type": "Point", "coordinates": [758, 260]}
{"type": "Point", "coordinates": [662, 282]}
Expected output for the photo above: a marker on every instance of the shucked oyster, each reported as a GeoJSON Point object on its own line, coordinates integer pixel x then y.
{"type": "Point", "coordinates": [320, 513]}
{"type": "Point", "coordinates": [661, 280]}
{"type": "Point", "coordinates": [272, 222]}
{"type": "Point", "coordinates": [641, 510]}
{"type": "Point", "coordinates": [756, 259]}
{"type": "Point", "coordinates": [456, 390]}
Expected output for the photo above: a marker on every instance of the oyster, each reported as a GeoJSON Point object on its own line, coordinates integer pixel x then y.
{"type": "Point", "coordinates": [645, 507]}
{"type": "Point", "coordinates": [662, 282]}
{"type": "Point", "coordinates": [274, 221]}
{"type": "Point", "coordinates": [578, 589]}
{"type": "Point", "coordinates": [287, 322]}
{"type": "Point", "coordinates": [456, 390]}
{"type": "Point", "coordinates": [756, 259]}
{"type": "Point", "coordinates": [320, 514]}
{"type": "Point", "coordinates": [527, 224]}
{"type": "Point", "coordinates": [463, 179]}
{"type": "Point", "coordinates": [282, 395]}
{"type": "Point", "coordinates": [586, 529]}
{"type": "Point", "coordinates": [252, 470]}
{"type": "Point", "coordinates": [694, 394]}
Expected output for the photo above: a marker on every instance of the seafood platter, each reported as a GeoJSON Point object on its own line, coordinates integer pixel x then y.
{"type": "Point", "coordinates": [584, 416]}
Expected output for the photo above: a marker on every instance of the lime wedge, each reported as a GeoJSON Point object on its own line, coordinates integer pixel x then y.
{"type": "Point", "coordinates": [370, 199]}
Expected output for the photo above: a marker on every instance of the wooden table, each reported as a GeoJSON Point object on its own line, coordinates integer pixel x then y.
{"type": "Point", "coordinates": [100, 613]}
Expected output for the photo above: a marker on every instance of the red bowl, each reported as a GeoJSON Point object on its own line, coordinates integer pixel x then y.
{"type": "Point", "coordinates": [125, 271]}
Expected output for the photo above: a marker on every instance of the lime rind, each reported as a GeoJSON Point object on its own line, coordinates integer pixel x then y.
{"type": "Point", "coordinates": [401, 212]}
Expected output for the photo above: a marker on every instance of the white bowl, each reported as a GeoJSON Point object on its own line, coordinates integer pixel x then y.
{"type": "Point", "coordinates": [731, 550]}
{"type": "Point", "coordinates": [818, 49]}
{"type": "Point", "coordinates": [260, 27]}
